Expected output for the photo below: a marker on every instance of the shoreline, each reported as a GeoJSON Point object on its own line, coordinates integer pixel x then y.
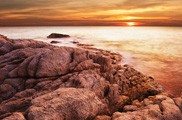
{"type": "Point", "coordinates": [36, 74]}
{"type": "Point", "coordinates": [151, 64]}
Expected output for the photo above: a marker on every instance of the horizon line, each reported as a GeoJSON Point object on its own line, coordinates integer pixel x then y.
{"type": "Point", "coordinates": [91, 25]}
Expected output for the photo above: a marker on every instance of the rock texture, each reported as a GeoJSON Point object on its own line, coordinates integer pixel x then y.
{"type": "Point", "coordinates": [159, 107]}
{"type": "Point", "coordinates": [41, 81]}
{"type": "Point", "coordinates": [57, 35]}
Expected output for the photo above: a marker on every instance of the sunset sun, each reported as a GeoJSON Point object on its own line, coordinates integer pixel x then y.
{"type": "Point", "coordinates": [131, 23]}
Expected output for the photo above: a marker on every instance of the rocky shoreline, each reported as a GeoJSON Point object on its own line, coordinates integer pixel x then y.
{"type": "Point", "coordinates": [39, 81]}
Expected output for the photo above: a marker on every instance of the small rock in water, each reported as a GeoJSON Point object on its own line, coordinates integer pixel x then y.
{"type": "Point", "coordinates": [57, 35]}
{"type": "Point", "coordinates": [74, 42]}
{"type": "Point", "coordinates": [54, 42]}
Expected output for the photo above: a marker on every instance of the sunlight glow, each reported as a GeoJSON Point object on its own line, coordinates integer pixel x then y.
{"type": "Point", "coordinates": [131, 23]}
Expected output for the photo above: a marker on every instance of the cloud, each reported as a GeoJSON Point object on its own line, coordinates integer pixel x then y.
{"type": "Point", "coordinates": [89, 9]}
{"type": "Point", "coordinates": [80, 4]}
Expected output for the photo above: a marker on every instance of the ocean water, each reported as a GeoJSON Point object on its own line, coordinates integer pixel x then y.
{"type": "Point", "coordinates": [154, 51]}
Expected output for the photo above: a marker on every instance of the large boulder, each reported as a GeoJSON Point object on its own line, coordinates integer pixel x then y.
{"type": "Point", "coordinates": [66, 104]}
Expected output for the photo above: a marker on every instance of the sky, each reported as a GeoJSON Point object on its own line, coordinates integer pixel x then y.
{"type": "Point", "coordinates": [90, 12]}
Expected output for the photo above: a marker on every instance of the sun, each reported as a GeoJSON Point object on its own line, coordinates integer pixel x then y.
{"type": "Point", "coordinates": [131, 23]}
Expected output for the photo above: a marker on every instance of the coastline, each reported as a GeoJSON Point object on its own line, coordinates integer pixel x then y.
{"type": "Point", "coordinates": [94, 76]}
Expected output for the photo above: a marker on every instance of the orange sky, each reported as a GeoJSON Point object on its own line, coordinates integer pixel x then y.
{"type": "Point", "coordinates": [91, 12]}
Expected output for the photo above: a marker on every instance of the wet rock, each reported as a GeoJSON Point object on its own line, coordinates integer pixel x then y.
{"type": "Point", "coordinates": [57, 35]}
{"type": "Point", "coordinates": [75, 42]}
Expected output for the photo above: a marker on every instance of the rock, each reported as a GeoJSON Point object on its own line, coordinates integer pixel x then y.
{"type": "Point", "coordinates": [39, 80]}
{"type": "Point", "coordinates": [75, 42]}
{"type": "Point", "coordinates": [84, 45]}
{"type": "Point", "coordinates": [6, 91]}
{"type": "Point", "coordinates": [151, 113]}
{"type": "Point", "coordinates": [66, 103]}
{"type": "Point", "coordinates": [104, 117]}
{"type": "Point", "coordinates": [178, 102]}
{"type": "Point", "coordinates": [160, 97]}
{"type": "Point", "coordinates": [130, 108]}
{"type": "Point", "coordinates": [124, 116]}
{"type": "Point", "coordinates": [3, 38]}
{"type": "Point", "coordinates": [136, 103]}
{"type": "Point", "coordinates": [54, 42]}
{"type": "Point", "coordinates": [165, 109]}
{"type": "Point", "coordinates": [15, 116]}
{"type": "Point", "coordinates": [146, 102]}
{"type": "Point", "coordinates": [57, 35]}
{"type": "Point", "coordinates": [170, 110]}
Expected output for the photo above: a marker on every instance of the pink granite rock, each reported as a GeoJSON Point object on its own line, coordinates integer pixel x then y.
{"type": "Point", "coordinates": [39, 80]}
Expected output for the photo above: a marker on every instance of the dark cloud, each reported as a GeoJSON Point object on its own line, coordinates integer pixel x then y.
{"type": "Point", "coordinates": [80, 4]}
{"type": "Point", "coordinates": [18, 4]}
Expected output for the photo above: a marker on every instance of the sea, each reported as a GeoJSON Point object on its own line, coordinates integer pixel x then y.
{"type": "Point", "coordinates": [154, 51]}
